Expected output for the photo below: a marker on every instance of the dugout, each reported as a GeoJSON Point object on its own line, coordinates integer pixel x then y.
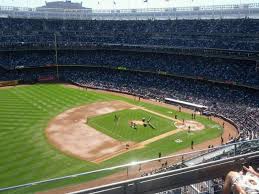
{"type": "Point", "coordinates": [185, 104]}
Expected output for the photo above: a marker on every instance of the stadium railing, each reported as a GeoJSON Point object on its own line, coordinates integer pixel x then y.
{"type": "Point", "coordinates": [171, 170]}
{"type": "Point", "coordinates": [177, 178]}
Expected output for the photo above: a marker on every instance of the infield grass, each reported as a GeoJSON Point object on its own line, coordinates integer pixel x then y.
{"type": "Point", "coordinates": [120, 129]}
{"type": "Point", "coordinates": [26, 156]}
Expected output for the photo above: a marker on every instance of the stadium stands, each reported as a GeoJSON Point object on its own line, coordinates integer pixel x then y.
{"type": "Point", "coordinates": [211, 186]}
{"type": "Point", "coordinates": [152, 75]}
{"type": "Point", "coordinates": [239, 34]}
{"type": "Point", "coordinates": [225, 70]}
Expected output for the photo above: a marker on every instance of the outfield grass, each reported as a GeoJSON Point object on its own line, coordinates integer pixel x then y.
{"type": "Point", "coordinates": [121, 129]}
{"type": "Point", "coordinates": [26, 156]}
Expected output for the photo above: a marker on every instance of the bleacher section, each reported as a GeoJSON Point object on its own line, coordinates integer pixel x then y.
{"type": "Point", "coordinates": [229, 71]}
{"type": "Point", "coordinates": [238, 34]}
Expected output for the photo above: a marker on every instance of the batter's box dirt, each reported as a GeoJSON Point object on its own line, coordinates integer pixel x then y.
{"type": "Point", "coordinates": [192, 125]}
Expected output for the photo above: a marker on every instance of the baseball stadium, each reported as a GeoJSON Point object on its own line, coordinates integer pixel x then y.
{"type": "Point", "coordinates": [100, 98]}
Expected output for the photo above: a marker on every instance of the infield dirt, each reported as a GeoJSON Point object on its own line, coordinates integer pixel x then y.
{"type": "Point", "coordinates": [229, 130]}
{"type": "Point", "coordinates": [70, 133]}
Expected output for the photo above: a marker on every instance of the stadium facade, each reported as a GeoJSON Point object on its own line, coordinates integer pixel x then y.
{"type": "Point", "coordinates": [69, 10]}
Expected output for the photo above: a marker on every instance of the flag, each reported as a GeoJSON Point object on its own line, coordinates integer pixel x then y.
{"type": "Point", "coordinates": [145, 1]}
{"type": "Point", "coordinates": [114, 2]}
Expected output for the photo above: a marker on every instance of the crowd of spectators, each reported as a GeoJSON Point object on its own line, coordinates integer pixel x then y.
{"type": "Point", "coordinates": [225, 70]}
{"type": "Point", "coordinates": [238, 34]}
{"type": "Point", "coordinates": [212, 186]}
{"type": "Point", "coordinates": [149, 76]}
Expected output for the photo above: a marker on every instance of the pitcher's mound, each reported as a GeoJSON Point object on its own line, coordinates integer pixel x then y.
{"type": "Point", "coordinates": [141, 123]}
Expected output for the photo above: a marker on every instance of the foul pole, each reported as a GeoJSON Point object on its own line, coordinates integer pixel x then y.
{"type": "Point", "coordinates": [56, 55]}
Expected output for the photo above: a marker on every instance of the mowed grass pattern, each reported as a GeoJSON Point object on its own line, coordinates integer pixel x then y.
{"type": "Point", "coordinates": [26, 156]}
{"type": "Point", "coordinates": [24, 151]}
{"type": "Point", "coordinates": [120, 129]}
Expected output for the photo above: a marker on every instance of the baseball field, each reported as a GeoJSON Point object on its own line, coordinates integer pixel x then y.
{"type": "Point", "coordinates": [52, 130]}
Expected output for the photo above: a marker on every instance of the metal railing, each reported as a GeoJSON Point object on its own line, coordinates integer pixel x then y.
{"type": "Point", "coordinates": [176, 178]}
{"type": "Point", "coordinates": [150, 167]}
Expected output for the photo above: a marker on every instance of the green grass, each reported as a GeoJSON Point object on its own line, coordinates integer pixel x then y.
{"type": "Point", "coordinates": [26, 156]}
{"type": "Point", "coordinates": [121, 129]}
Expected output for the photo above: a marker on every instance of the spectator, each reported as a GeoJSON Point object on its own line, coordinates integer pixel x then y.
{"type": "Point", "coordinates": [244, 182]}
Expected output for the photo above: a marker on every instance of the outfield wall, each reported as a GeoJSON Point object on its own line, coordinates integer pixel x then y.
{"type": "Point", "coordinates": [9, 83]}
